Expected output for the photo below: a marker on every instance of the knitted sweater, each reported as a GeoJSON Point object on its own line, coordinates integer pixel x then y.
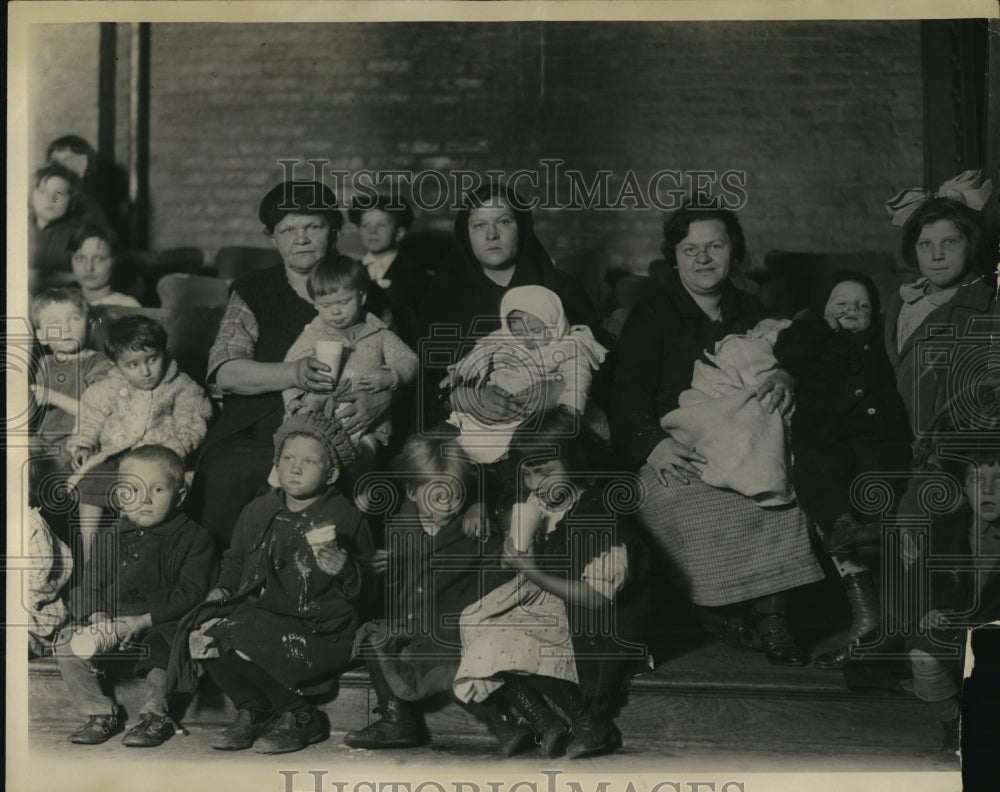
{"type": "Point", "coordinates": [116, 416]}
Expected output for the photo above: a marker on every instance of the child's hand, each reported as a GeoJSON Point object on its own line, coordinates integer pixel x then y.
{"type": "Point", "coordinates": [216, 595]}
{"type": "Point", "coordinates": [380, 380]}
{"type": "Point", "coordinates": [80, 457]}
{"type": "Point", "coordinates": [129, 629]}
{"type": "Point", "coordinates": [449, 379]}
{"type": "Point", "coordinates": [476, 523]}
{"type": "Point", "coordinates": [379, 562]}
{"type": "Point", "coordinates": [833, 319]}
{"type": "Point", "coordinates": [330, 558]}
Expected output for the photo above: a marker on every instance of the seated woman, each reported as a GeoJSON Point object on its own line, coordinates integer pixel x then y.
{"type": "Point", "coordinates": [267, 311]}
{"type": "Point", "coordinates": [495, 250]}
{"type": "Point", "coordinates": [727, 551]}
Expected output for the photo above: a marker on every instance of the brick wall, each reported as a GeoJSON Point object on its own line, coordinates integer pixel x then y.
{"type": "Point", "coordinates": [824, 118]}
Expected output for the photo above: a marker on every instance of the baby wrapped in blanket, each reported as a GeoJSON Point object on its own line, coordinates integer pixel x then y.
{"type": "Point", "coordinates": [720, 416]}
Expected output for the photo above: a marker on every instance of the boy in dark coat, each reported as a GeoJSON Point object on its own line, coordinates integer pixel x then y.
{"type": "Point", "coordinates": [849, 420]}
{"type": "Point", "coordinates": [149, 570]}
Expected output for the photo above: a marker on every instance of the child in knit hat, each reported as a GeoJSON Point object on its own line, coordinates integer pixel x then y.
{"type": "Point", "coordinates": [288, 591]}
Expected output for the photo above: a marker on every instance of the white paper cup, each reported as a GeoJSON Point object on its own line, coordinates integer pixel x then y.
{"type": "Point", "coordinates": [324, 534]}
{"type": "Point", "coordinates": [89, 641]}
{"type": "Point", "coordinates": [330, 352]}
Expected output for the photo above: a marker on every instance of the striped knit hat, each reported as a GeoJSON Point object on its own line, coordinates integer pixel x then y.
{"type": "Point", "coordinates": [328, 431]}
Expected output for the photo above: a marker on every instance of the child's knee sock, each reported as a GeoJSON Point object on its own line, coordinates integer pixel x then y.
{"type": "Point", "coordinates": [933, 684]}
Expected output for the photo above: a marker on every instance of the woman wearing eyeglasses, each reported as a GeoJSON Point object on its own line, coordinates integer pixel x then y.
{"type": "Point", "coordinates": [731, 557]}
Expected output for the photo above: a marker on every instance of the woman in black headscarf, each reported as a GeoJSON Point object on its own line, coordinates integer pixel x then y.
{"type": "Point", "coordinates": [495, 250]}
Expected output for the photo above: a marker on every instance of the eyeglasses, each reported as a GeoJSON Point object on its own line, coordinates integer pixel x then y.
{"type": "Point", "coordinates": [713, 249]}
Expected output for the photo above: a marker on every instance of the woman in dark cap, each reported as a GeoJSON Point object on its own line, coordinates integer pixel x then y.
{"type": "Point", "coordinates": [495, 249]}
{"type": "Point", "coordinates": [266, 312]}
{"type": "Point", "coordinates": [849, 420]}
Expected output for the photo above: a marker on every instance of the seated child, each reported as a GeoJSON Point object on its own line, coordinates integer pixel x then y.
{"type": "Point", "coordinates": [373, 358]}
{"type": "Point", "coordinates": [568, 546]}
{"type": "Point", "coordinates": [51, 224]}
{"type": "Point", "coordinates": [94, 256]}
{"type": "Point", "coordinates": [849, 420]}
{"type": "Point", "coordinates": [535, 357]}
{"type": "Point", "coordinates": [66, 368]}
{"type": "Point", "coordinates": [437, 571]}
{"type": "Point", "coordinates": [151, 568]}
{"type": "Point", "coordinates": [42, 592]}
{"type": "Point", "coordinates": [287, 593]}
{"type": "Point", "coordinates": [144, 400]}
{"type": "Point", "coordinates": [959, 598]}
{"type": "Point", "coordinates": [745, 446]}
{"type": "Point", "coordinates": [382, 226]}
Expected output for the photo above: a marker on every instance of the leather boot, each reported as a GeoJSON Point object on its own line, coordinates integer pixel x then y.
{"type": "Point", "coordinates": [549, 728]}
{"type": "Point", "coordinates": [778, 643]}
{"type": "Point", "coordinates": [867, 619]}
{"type": "Point", "coordinates": [848, 533]}
{"type": "Point", "coordinates": [513, 736]}
{"type": "Point", "coordinates": [399, 727]}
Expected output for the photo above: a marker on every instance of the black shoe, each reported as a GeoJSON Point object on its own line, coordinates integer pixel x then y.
{"type": "Point", "coordinates": [399, 727]}
{"type": "Point", "coordinates": [951, 744]}
{"type": "Point", "coordinates": [151, 730]}
{"type": "Point", "coordinates": [243, 733]}
{"type": "Point", "coordinates": [550, 730]}
{"type": "Point", "coordinates": [292, 731]}
{"type": "Point", "coordinates": [98, 729]}
{"type": "Point", "coordinates": [778, 644]}
{"type": "Point", "coordinates": [593, 735]}
{"type": "Point", "coordinates": [849, 533]}
{"type": "Point", "coordinates": [867, 620]}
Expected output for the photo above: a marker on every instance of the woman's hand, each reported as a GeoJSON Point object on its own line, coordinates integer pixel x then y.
{"type": "Point", "coordinates": [512, 559]}
{"type": "Point", "coordinates": [128, 629]}
{"type": "Point", "coordinates": [313, 375]}
{"type": "Point", "coordinates": [778, 393]}
{"type": "Point", "coordinates": [489, 404]}
{"type": "Point", "coordinates": [673, 461]}
{"type": "Point", "coordinates": [476, 523]}
{"type": "Point", "coordinates": [379, 562]}
{"type": "Point", "coordinates": [358, 410]}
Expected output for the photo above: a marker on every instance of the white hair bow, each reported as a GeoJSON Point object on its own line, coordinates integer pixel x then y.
{"type": "Point", "coordinates": [968, 188]}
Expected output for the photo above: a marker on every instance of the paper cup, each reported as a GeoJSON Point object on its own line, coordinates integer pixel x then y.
{"type": "Point", "coordinates": [330, 352]}
{"type": "Point", "coordinates": [89, 641]}
{"type": "Point", "coordinates": [322, 535]}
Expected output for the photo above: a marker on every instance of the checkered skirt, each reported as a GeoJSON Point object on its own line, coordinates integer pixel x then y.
{"type": "Point", "coordinates": [721, 547]}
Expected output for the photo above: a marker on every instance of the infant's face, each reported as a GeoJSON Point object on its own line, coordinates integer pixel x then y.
{"type": "Point", "coordinates": [146, 492]}
{"type": "Point", "coordinates": [529, 329]}
{"type": "Point", "coordinates": [50, 200]}
{"type": "Point", "coordinates": [62, 327]}
{"type": "Point", "coordinates": [851, 306]}
{"type": "Point", "coordinates": [982, 488]}
{"type": "Point", "coordinates": [341, 309]}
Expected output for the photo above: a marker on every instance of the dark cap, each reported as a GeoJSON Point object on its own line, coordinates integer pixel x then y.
{"type": "Point", "coordinates": [398, 209]}
{"type": "Point", "coordinates": [299, 197]}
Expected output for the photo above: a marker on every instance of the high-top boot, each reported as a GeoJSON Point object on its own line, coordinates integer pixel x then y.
{"type": "Point", "coordinates": [549, 728]}
{"type": "Point", "coordinates": [778, 643]}
{"type": "Point", "coordinates": [401, 724]}
{"type": "Point", "coordinates": [867, 619]}
{"type": "Point", "coordinates": [513, 737]}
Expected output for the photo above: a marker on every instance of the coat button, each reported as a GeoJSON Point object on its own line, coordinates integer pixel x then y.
{"type": "Point", "coordinates": [859, 392]}
{"type": "Point", "coordinates": [135, 556]}
{"type": "Point", "coordinates": [420, 589]}
{"type": "Point", "coordinates": [871, 410]}
{"type": "Point", "coordinates": [140, 532]}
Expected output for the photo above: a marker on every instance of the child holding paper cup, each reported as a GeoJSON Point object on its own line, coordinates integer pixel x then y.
{"type": "Point", "coordinates": [361, 352]}
{"type": "Point", "coordinates": [288, 593]}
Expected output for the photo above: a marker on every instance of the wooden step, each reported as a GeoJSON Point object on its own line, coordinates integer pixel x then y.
{"type": "Point", "coordinates": [710, 695]}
